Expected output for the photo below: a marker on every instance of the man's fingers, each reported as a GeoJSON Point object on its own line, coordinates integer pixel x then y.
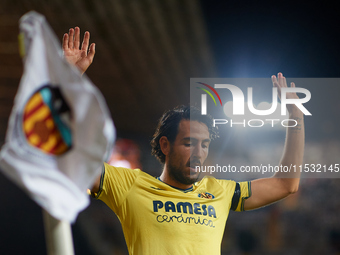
{"type": "Point", "coordinates": [281, 79]}
{"type": "Point", "coordinates": [274, 79]}
{"type": "Point", "coordinates": [70, 39]}
{"type": "Point", "coordinates": [276, 85]}
{"type": "Point", "coordinates": [284, 82]}
{"type": "Point", "coordinates": [292, 84]}
{"type": "Point", "coordinates": [92, 51]}
{"type": "Point", "coordinates": [76, 38]}
{"type": "Point", "coordinates": [86, 41]}
{"type": "Point", "coordinates": [65, 42]}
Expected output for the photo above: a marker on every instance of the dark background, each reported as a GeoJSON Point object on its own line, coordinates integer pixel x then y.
{"type": "Point", "coordinates": [146, 53]}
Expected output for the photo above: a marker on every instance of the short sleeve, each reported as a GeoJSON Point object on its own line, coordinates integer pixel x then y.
{"type": "Point", "coordinates": [242, 192]}
{"type": "Point", "coordinates": [115, 183]}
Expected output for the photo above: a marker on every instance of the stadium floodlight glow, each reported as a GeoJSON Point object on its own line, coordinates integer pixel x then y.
{"type": "Point", "coordinates": [249, 119]}
{"type": "Point", "coordinates": [275, 115]}
{"type": "Point", "coordinates": [263, 105]}
{"type": "Point", "coordinates": [264, 111]}
{"type": "Point", "coordinates": [228, 109]}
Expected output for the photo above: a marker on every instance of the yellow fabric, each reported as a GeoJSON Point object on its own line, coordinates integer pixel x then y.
{"type": "Point", "coordinates": [159, 219]}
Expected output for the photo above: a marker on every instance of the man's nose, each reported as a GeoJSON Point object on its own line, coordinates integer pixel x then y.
{"type": "Point", "coordinates": [197, 151]}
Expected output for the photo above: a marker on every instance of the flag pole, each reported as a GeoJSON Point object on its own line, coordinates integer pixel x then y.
{"type": "Point", "coordinates": [58, 236]}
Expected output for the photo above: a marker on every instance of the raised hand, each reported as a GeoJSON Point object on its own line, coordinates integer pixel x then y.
{"type": "Point", "coordinates": [80, 57]}
{"type": "Point", "coordinates": [280, 82]}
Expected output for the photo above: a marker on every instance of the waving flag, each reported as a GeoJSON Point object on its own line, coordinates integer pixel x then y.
{"type": "Point", "coordinates": [60, 130]}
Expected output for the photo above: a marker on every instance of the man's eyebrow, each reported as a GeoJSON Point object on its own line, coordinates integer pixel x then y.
{"type": "Point", "coordinates": [188, 138]}
{"type": "Point", "coordinates": [194, 139]}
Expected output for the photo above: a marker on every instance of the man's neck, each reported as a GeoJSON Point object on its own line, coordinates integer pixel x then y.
{"type": "Point", "coordinates": [166, 178]}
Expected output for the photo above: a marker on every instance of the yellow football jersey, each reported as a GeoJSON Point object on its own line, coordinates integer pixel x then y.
{"type": "Point", "coordinates": [159, 219]}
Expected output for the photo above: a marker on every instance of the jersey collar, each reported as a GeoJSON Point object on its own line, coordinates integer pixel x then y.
{"type": "Point", "coordinates": [183, 190]}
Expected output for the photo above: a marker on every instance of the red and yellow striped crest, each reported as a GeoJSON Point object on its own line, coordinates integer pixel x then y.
{"type": "Point", "coordinates": [45, 118]}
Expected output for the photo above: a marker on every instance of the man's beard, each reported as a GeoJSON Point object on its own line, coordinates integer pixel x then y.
{"type": "Point", "coordinates": [179, 174]}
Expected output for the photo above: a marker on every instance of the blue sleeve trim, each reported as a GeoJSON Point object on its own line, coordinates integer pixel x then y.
{"type": "Point", "coordinates": [236, 197]}
{"type": "Point", "coordinates": [244, 198]}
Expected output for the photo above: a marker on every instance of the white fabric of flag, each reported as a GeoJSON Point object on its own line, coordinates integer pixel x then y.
{"type": "Point", "coordinates": [60, 130]}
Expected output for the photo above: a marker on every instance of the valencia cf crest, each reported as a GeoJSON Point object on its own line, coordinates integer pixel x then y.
{"type": "Point", "coordinates": [46, 121]}
{"type": "Point", "coordinates": [206, 195]}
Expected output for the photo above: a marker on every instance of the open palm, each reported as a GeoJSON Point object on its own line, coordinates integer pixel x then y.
{"type": "Point", "coordinates": [280, 82]}
{"type": "Point", "coordinates": [80, 57]}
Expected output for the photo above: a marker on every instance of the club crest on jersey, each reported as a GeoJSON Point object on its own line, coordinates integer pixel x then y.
{"type": "Point", "coordinates": [46, 121]}
{"type": "Point", "coordinates": [206, 195]}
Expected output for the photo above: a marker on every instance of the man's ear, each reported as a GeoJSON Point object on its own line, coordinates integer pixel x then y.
{"type": "Point", "coordinates": [165, 145]}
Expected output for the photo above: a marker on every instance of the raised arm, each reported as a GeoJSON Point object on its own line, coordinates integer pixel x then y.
{"type": "Point", "coordinates": [81, 57]}
{"type": "Point", "coordinates": [268, 190]}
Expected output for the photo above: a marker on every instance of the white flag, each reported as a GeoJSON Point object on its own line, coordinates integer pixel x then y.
{"type": "Point", "coordinates": [60, 130]}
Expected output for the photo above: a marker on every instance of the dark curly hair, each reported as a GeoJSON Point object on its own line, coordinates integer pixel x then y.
{"type": "Point", "coordinates": [169, 122]}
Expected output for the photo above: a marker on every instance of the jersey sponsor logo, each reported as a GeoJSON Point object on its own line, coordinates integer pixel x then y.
{"type": "Point", "coordinates": [46, 121]}
{"type": "Point", "coordinates": [206, 195]}
{"type": "Point", "coordinates": [186, 220]}
{"type": "Point", "coordinates": [184, 207]}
